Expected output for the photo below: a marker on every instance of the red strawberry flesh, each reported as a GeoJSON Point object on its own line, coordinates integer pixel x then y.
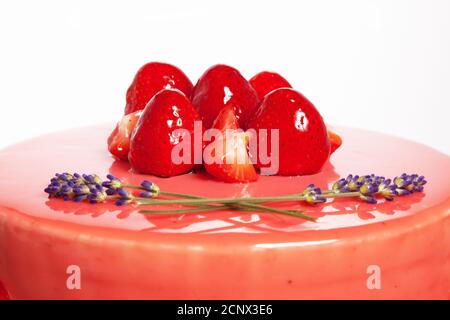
{"type": "Point", "coordinates": [230, 149]}
{"type": "Point", "coordinates": [119, 139]}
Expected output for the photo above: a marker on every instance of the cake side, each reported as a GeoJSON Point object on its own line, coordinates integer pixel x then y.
{"type": "Point", "coordinates": [126, 264]}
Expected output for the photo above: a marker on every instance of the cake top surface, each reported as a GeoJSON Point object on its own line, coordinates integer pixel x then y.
{"type": "Point", "coordinates": [25, 169]}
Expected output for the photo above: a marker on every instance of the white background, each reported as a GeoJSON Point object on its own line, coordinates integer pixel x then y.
{"type": "Point", "coordinates": [381, 65]}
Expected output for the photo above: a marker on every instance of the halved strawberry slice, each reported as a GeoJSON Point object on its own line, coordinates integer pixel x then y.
{"type": "Point", "coordinates": [226, 158]}
{"type": "Point", "coordinates": [335, 140]}
{"type": "Point", "coordinates": [119, 140]}
{"type": "Point", "coordinates": [227, 119]}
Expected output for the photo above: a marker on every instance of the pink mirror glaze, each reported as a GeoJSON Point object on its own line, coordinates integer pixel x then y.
{"type": "Point", "coordinates": [123, 238]}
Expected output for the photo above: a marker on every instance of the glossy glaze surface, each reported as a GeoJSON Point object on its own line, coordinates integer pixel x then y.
{"type": "Point", "coordinates": [124, 254]}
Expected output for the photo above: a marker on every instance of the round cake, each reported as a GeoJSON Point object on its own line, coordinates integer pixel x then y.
{"type": "Point", "coordinates": [390, 250]}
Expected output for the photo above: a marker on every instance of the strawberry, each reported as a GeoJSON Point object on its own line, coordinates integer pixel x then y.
{"type": "Point", "coordinates": [221, 84]}
{"type": "Point", "coordinates": [154, 137]}
{"type": "Point", "coordinates": [266, 81]}
{"type": "Point", "coordinates": [119, 140]}
{"type": "Point", "coordinates": [150, 79]}
{"type": "Point", "coordinates": [335, 140]}
{"type": "Point", "coordinates": [304, 146]}
{"type": "Point", "coordinates": [232, 162]}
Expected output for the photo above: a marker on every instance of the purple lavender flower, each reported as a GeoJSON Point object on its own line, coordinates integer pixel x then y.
{"type": "Point", "coordinates": [90, 187]}
{"type": "Point", "coordinates": [112, 184]}
{"type": "Point", "coordinates": [419, 182]}
{"type": "Point", "coordinates": [146, 194]}
{"type": "Point", "coordinates": [92, 179]}
{"type": "Point", "coordinates": [76, 187]}
{"type": "Point", "coordinates": [370, 185]}
{"type": "Point", "coordinates": [354, 182]}
{"type": "Point", "coordinates": [125, 197]}
{"type": "Point", "coordinates": [407, 184]}
{"type": "Point", "coordinates": [340, 185]}
{"type": "Point", "coordinates": [313, 194]}
{"type": "Point", "coordinates": [368, 198]}
{"type": "Point", "coordinates": [387, 190]}
{"type": "Point", "coordinates": [64, 176]}
{"type": "Point", "coordinates": [122, 202]}
{"type": "Point", "coordinates": [368, 188]}
{"type": "Point", "coordinates": [96, 196]}
{"type": "Point", "coordinates": [80, 190]}
{"type": "Point", "coordinates": [150, 187]}
{"type": "Point", "coordinates": [52, 190]}
{"type": "Point", "coordinates": [77, 179]}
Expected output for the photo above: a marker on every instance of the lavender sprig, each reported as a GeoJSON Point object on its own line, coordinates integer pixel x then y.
{"type": "Point", "coordinates": [313, 194]}
{"type": "Point", "coordinates": [91, 188]}
{"type": "Point", "coordinates": [370, 185]}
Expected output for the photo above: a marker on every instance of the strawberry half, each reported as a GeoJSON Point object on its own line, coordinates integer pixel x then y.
{"type": "Point", "coordinates": [119, 139]}
{"type": "Point", "coordinates": [227, 119]}
{"type": "Point", "coordinates": [335, 140]}
{"type": "Point", "coordinates": [227, 157]}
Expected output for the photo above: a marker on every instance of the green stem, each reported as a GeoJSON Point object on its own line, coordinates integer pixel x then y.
{"type": "Point", "coordinates": [203, 203]}
{"type": "Point", "coordinates": [210, 208]}
{"type": "Point", "coordinates": [251, 207]}
{"type": "Point", "coordinates": [245, 205]}
{"type": "Point", "coordinates": [170, 194]}
{"type": "Point", "coordinates": [221, 200]}
{"type": "Point", "coordinates": [326, 194]}
{"type": "Point", "coordinates": [130, 186]}
{"type": "Point", "coordinates": [180, 195]}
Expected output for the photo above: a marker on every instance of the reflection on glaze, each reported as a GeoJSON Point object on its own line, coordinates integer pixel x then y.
{"type": "Point", "coordinates": [292, 244]}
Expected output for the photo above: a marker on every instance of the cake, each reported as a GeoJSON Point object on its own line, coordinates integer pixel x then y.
{"type": "Point", "coordinates": [353, 250]}
{"type": "Point", "coordinates": [219, 255]}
